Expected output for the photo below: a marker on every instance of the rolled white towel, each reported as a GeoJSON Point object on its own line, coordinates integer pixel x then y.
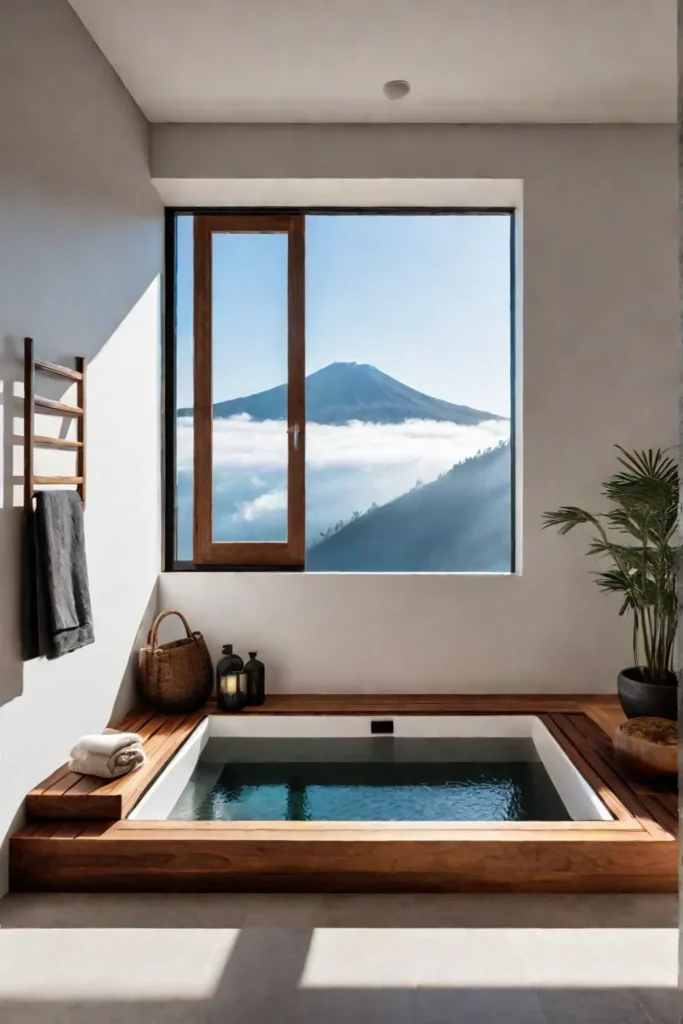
{"type": "Point", "coordinates": [108, 755]}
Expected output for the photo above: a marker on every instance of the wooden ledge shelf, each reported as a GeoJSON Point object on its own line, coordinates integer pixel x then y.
{"type": "Point", "coordinates": [70, 796]}
{"type": "Point", "coordinates": [79, 837]}
{"type": "Point", "coordinates": [414, 704]}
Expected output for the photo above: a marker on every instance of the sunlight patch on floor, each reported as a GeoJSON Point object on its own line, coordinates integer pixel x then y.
{"type": "Point", "coordinates": [492, 958]}
{"type": "Point", "coordinates": [113, 963]}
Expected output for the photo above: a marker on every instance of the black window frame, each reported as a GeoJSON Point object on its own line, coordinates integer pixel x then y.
{"type": "Point", "coordinates": [170, 563]}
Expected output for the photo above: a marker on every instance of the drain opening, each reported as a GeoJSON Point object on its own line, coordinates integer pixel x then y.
{"type": "Point", "coordinates": [382, 727]}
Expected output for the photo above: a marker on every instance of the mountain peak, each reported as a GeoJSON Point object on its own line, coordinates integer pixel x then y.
{"type": "Point", "coordinates": [340, 366]}
{"type": "Point", "coordinates": [345, 391]}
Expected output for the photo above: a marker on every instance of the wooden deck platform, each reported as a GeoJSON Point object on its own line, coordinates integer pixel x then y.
{"type": "Point", "coordinates": [78, 836]}
{"type": "Point", "coordinates": [69, 796]}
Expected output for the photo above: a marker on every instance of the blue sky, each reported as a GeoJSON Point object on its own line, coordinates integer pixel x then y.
{"type": "Point", "coordinates": [425, 299]}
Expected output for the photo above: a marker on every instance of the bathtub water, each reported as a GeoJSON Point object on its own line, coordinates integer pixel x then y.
{"type": "Point", "coordinates": [460, 768]}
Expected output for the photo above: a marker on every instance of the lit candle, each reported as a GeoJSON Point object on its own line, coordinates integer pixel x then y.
{"type": "Point", "coordinates": [229, 684]}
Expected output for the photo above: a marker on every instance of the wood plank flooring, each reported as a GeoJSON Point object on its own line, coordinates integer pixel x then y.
{"type": "Point", "coordinates": [89, 845]}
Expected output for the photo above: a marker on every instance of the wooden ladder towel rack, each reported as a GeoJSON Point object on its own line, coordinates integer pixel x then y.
{"type": "Point", "coordinates": [47, 405]}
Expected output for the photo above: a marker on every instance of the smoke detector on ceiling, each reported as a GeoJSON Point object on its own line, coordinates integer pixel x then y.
{"type": "Point", "coordinates": [396, 89]}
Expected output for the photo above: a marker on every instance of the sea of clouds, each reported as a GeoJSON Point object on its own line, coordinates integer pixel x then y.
{"type": "Point", "coordinates": [347, 468]}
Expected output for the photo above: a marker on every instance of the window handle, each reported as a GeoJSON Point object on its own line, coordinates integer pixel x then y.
{"type": "Point", "coordinates": [295, 431]}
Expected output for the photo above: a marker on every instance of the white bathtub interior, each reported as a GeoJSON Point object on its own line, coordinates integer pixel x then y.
{"type": "Point", "coordinates": [580, 800]}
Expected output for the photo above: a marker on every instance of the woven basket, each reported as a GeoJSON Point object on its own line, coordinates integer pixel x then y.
{"type": "Point", "coordinates": [177, 676]}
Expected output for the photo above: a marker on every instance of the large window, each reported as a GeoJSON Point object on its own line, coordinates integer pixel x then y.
{"type": "Point", "coordinates": [339, 391]}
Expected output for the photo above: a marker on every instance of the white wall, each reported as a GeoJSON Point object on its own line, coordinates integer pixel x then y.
{"type": "Point", "coordinates": [599, 367]}
{"type": "Point", "coordinates": [80, 262]}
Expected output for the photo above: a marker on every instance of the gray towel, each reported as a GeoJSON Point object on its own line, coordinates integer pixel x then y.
{"type": "Point", "coordinates": [61, 574]}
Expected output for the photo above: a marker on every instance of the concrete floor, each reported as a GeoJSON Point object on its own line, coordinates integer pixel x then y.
{"type": "Point", "coordinates": [250, 959]}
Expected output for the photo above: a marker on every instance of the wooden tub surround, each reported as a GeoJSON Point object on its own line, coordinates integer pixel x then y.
{"type": "Point", "coordinates": [79, 838]}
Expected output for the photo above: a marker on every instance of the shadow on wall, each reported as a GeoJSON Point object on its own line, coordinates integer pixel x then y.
{"type": "Point", "coordinates": [112, 319]}
{"type": "Point", "coordinates": [81, 255]}
{"type": "Point", "coordinates": [12, 668]}
{"type": "Point", "coordinates": [127, 696]}
{"type": "Point", "coordinates": [81, 245]}
{"type": "Point", "coordinates": [49, 344]}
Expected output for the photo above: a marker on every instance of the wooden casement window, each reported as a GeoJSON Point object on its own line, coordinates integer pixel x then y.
{"type": "Point", "coordinates": [220, 243]}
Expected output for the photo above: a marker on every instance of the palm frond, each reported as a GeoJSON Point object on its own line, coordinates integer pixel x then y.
{"type": "Point", "coordinates": [639, 535]}
{"type": "Point", "coordinates": [566, 518]}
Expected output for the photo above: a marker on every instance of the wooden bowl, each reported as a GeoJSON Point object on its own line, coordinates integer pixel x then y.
{"type": "Point", "coordinates": [649, 744]}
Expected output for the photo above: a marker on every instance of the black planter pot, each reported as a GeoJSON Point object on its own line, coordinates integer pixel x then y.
{"type": "Point", "coordinates": [641, 699]}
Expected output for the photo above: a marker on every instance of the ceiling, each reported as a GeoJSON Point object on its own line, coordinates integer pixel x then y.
{"type": "Point", "coordinates": [327, 60]}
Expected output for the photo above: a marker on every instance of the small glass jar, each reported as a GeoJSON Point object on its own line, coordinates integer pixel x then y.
{"type": "Point", "coordinates": [231, 681]}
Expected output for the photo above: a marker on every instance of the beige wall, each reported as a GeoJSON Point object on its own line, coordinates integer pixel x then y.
{"type": "Point", "coordinates": [80, 259]}
{"type": "Point", "coordinates": [599, 367]}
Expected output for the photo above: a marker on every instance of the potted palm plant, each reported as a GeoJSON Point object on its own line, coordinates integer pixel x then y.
{"type": "Point", "coordinates": [639, 536]}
